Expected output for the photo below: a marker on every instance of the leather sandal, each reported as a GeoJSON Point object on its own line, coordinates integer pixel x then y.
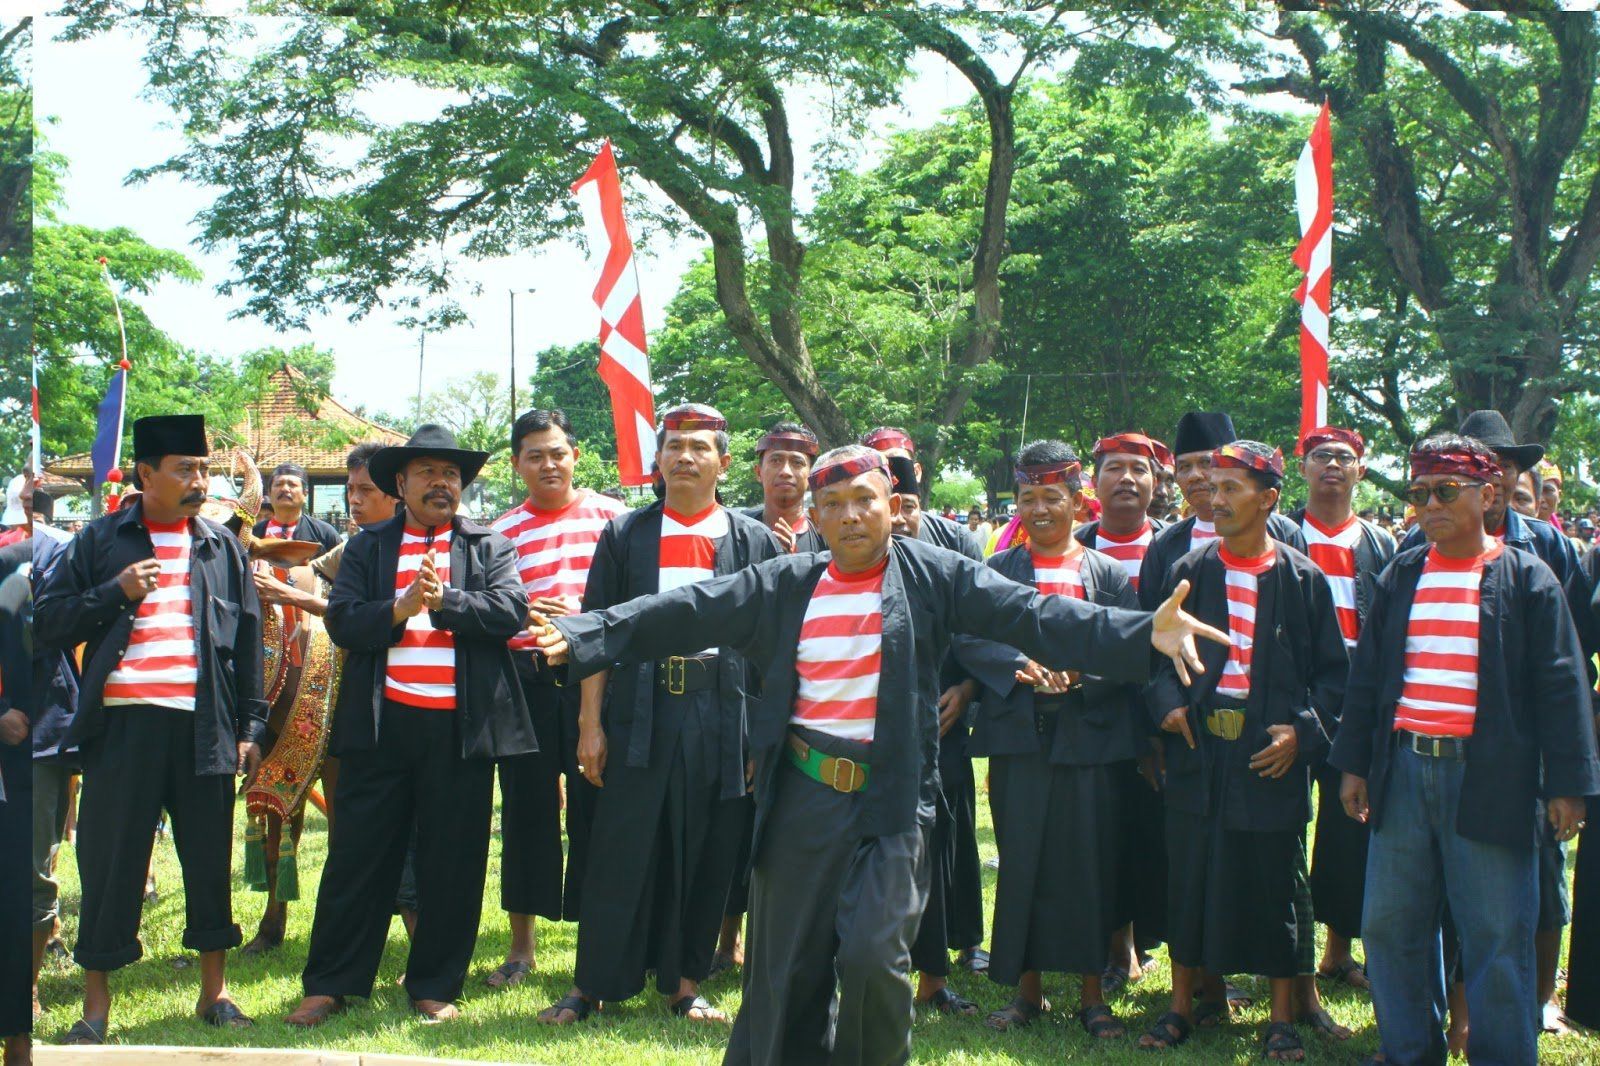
{"type": "Point", "coordinates": [84, 1033]}
{"type": "Point", "coordinates": [581, 1009]}
{"type": "Point", "coordinates": [1018, 1014]}
{"type": "Point", "coordinates": [225, 1014]}
{"type": "Point", "coordinates": [683, 1006]}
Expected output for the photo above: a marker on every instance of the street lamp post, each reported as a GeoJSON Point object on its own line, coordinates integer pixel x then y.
{"type": "Point", "coordinates": [511, 297]}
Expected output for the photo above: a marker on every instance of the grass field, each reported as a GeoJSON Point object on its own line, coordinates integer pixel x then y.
{"type": "Point", "coordinates": [156, 999]}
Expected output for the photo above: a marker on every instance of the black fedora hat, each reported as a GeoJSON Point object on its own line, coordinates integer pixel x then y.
{"type": "Point", "coordinates": [1492, 429]}
{"type": "Point", "coordinates": [429, 439]}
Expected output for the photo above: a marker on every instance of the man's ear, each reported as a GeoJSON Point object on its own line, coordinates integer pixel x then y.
{"type": "Point", "coordinates": [894, 504]}
{"type": "Point", "coordinates": [724, 462]}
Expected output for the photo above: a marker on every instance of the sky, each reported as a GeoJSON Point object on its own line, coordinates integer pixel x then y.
{"type": "Point", "coordinates": [88, 96]}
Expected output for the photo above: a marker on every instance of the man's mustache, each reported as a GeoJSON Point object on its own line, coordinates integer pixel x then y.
{"type": "Point", "coordinates": [193, 497]}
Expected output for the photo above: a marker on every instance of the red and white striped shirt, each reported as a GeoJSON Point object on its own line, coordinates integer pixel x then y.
{"type": "Point", "coordinates": [1439, 693]}
{"type": "Point", "coordinates": [555, 548]}
{"type": "Point", "coordinates": [689, 548]}
{"type": "Point", "coordinates": [422, 667]}
{"type": "Point", "coordinates": [1241, 575]}
{"type": "Point", "coordinates": [1201, 532]}
{"type": "Point", "coordinates": [840, 655]}
{"type": "Point", "coordinates": [1334, 552]}
{"type": "Point", "coordinates": [1059, 575]}
{"type": "Point", "coordinates": [278, 531]}
{"type": "Point", "coordinates": [160, 666]}
{"type": "Point", "coordinates": [1129, 550]}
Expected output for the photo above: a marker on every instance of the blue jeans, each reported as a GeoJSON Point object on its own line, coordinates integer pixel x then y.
{"type": "Point", "coordinates": [1417, 861]}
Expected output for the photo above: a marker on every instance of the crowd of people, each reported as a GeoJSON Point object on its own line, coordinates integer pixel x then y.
{"type": "Point", "coordinates": [733, 738]}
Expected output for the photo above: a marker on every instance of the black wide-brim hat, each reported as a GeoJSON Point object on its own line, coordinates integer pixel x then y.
{"type": "Point", "coordinates": [386, 464]}
{"type": "Point", "coordinates": [1203, 431]}
{"type": "Point", "coordinates": [1492, 429]}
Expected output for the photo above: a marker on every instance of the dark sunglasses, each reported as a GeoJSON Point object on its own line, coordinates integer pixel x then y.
{"type": "Point", "coordinates": [1447, 491]}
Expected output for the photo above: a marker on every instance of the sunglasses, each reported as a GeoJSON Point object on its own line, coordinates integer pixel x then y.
{"type": "Point", "coordinates": [1446, 491]}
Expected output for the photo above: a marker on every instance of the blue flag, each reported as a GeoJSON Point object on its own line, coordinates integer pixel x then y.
{"type": "Point", "coordinates": [107, 450]}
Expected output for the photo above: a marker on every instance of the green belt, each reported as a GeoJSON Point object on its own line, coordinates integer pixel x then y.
{"type": "Point", "coordinates": [838, 773]}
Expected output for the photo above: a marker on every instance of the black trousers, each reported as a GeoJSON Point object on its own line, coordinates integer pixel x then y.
{"type": "Point", "coordinates": [16, 889]}
{"type": "Point", "coordinates": [530, 813]}
{"type": "Point", "coordinates": [832, 917]}
{"type": "Point", "coordinates": [1142, 856]}
{"type": "Point", "coordinates": [141, 765]}
{"type": "Point", "coordinates": [953, 918]}
{"type": "Point", "coordinates": [665, 847]}
{"type": "Point", "coordinates": [1583, 957]}
{"type": "Point", "coordinates": [415, 775]}
{"type": "Point", "coordinates": [1338, 860]}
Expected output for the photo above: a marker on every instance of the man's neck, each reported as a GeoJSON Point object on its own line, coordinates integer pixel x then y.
{"type": "Point", "coordinates": [1331, 510]}
{"type": "Point", "coordinates": [1056, 549]}
{"type": "Point", "coordinates": [689, 504]}
{"type": "Point", "coordinates": [1201, 511]}
{"type": "Point", "coordinates": [1467, 547]}
{"type": "Point", "coordinates": [554, 501]}
{"type": "Point", "coordinates": [419, 523]}
{"type": "Point", "coordinates": [160, 516]}
{"type": "Point", "coordinates": [795, 516]}
{"type": "Point", "coordinates": [286, 517]}
{"type": "Point", "coordinates": [1122, 525]}
{"type": "Point", "coordinates": [1251, 544]}
{"type": "Point", "coordinates": [877, 558]}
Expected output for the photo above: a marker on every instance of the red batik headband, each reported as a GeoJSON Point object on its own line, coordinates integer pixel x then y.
{"type": "Point", "coordinates": [1467, 464]}
{"type": "Point", "coordinates": [787, 442]}
{"type": "Point", "coordinates": [1243, 458]}
{"type": "Point", "coordinates": [847, 468]}
{"type": "Point", "coordinates": [1066, 473]}
{"type": "Point", "coordinates": [1129, 444]}
{"type": "Point", "coordinates": [691, 416]}
{"type": "Point", "coordinates": [1332, 435]}
{"type": "Point", "coordinates": [887, 438]}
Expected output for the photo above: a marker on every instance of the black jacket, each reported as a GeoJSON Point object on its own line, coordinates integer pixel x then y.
{"type": "Point", "coordinates": [1099, 723]}
{"type": "Point", "coordinates": [1533, 699]}
{"type": "Point", "coordinates": [1373, 552]}
{"type": "Point", "coordinates": [81, 602]}
{"type": "Point", "coordinates": [16, 669]}
{"type": "Point", "coordinates": [484, 606]}
{"type": "Point", "coordinates": [55, 671]}
{"type": "Point", "coordinates": [809, 541]}
{"type": "Point", "coordinates": [626, 564]}
{"type": "Point", "coordinates": [1086, 531]}
{"type": "Point", "coordinates": [928, 596]}
{"type": "Point", "coordinates": [1297, 676]}
{"type": "Point", "coordinates": [308, 528]}
{"type": "Point", "coordinates": [1172, 544]}
{"type": "Point", "coordinates": [938, 530]}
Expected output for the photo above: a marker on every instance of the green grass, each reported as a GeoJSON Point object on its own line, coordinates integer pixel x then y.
{"type": "Point", "coordinates": [155, 998]}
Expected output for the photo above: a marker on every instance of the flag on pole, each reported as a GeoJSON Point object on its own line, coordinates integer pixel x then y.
{"type": "Point", "coordinates": [624, 365]}
{"type": "Point", "coordinates": [1313, 197]}
{"type": "Point", "coordinates": [36, 449]}
{"type": "Point", "coordinates": [107, 450]}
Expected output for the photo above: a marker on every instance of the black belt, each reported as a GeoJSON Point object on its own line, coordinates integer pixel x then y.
{"type": "Point", "coordinates": [546, 676]}
{"type": "Point", "coordinates": [1435, 747]}
{"type": "Point", "coordinates": [679, 674]}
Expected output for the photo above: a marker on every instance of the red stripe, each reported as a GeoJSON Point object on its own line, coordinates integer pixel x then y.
{"type": "Point", "coordinates": [148, 690]}
{"type": "Point", "coordinates": [1431, 627]}
{"type": "Point", "coordinates": [841, 625]}
{"type": "Point", "coordinates": [427, 638]}
{"type": "Point", "coordinates": [836, 709]}
{"type": "Point", "coordinates": [1446, 594]}
{"type": "Point", "coordinates": [422, 675]}
{"type": "Point", "coordinates": [837, 669]}
{"type": "Point", "coordinates": [1334, 560]}
{"type": "Point", "coordinates": [1462, 697]}
{"type": "Point", "coordinates": [1439, 660]}
{"type": "Point", "coordinates": [688, 551]}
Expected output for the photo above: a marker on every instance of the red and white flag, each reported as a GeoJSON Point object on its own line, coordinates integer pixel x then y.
{"type": "Point", "coordinates": [1313, 198]}
{"type": "Point", "coordinates": [624, 366]}
{"type": "Point", "coordinates": [36, 450]}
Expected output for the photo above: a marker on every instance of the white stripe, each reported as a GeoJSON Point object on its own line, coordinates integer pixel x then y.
{"type": "Point", "coordinates": [1418, 675]}
{"type": "Point", "coordinates": [156, 649]}
{"type": "Point", "coordinates": [841, 688]}
{"type": "Point", "coordinates": [630, 358]}
{"type": "Point", "coordinates": [834, 604]}
{"type": "Point", "coordinates": [1443, 645]}
{"type": "Point", "coordinates": [623, 292]}
{"type": "Point", "coordinates": [1445, 612]}
{"type": "Point", "coordinates": [837, 649]}
{"type": "Point", "coordinates": [674, 577]}
{"type": "Point", "coordinates": [173, 703]}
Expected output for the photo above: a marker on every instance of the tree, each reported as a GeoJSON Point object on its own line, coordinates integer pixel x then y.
{"type": "Point", "coordinates": [16, 236]}
{"type": "Point", "coordinates": [1478, 217]}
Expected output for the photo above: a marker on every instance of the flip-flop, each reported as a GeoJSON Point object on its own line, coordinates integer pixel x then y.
{"type": "Point", "coordinates": [581, 1009]}
{"type": "Point", "coordinates": [510, 973]}
{"type": "Point", "coordinates": [721, 963]}
{"type": "Point", "coordinates": [1210, 1013]}
{"type": "Point", "coordinates": [1279, 1039]}
{"type": "Point", "coordinates": [682, 1006]}
{"type": "Point", "coordinates": [947, 1001]}
{"type": "Point", "coordinates": [1238, 997]}
{"type": "Point", "coordinates": [1170, 1030]}
{"type": "Point", "coordinates": [225, 1014]}
{"type": "Point", "coordinates": [1345, 972]}
{"type": "Point", "coordinates": [1113, 979]}
{"type": "Point", "coordinates": [1099, 1021]}
{"type": "Point", "coordinates": [1322, 1024]}
{"type": "Point", "coordinates": [1018, 1014]}
{"type": "Point", "coordinates": [84, 1032]}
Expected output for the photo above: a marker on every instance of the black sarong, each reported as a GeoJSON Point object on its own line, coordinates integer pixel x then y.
{"type": "Point", "coordinates": [1231, 896]}
{"type": "Point", "coordinates": [1056, 898]}
{"type": "Point", "coordinates": [1142, 856]}
{"type": "Point", "coordinates": [1338, 860]}
{"type": "Point", "coordinates": [1583, 948]}
{"type": "Point", "coordinates": [530, 812]}
{"type": "Point", "coordinates": [664, 844]}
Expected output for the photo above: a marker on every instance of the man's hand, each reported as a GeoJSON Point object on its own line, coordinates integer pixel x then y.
{"type": "Point", "coordinates": [139, 579]}
{"type": "Point", "coordinates": [1566, 814]}
{"type": "Point", "coordinates": [548, 607]}
{"type": "Point", "coordinates": [1045, 678]}
{"type": "Point", "coordinates": [432, 587]}
{"type": "Point", "coordinates": [1278, 756]}
{"type": "Point", "coordinates": [249, 760]}
{"type": "Point", "coordinates": [592, 754]}
{"type": "Point", "coordinates": [1153, 767]}
{"type": "Point", "coordinates": [1177, 721]}
{"type": "Point", "coordinates": [953, 704]}
{"type": "Point", "coordinates": [547, 639]}
{"type": "Point", "coordinates": [409, 604]}
{"type": "Point", "coordinates": [13, 727]}
{"type": "Point", "coordinates": [271, 590]}
{"type": "Point", "coordinates": [785, 535]}
{"type": "Point", "coordinates": [1353, 795]}
{"type": "Point", "coordinates": [1174, 631]}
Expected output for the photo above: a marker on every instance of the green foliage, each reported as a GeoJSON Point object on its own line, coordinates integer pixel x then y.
{"type": "Point", "coordinates": [959, 491]}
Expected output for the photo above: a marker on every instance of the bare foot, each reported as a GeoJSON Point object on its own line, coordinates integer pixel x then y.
{"type": "Point", "coordinates": [434, 1011]}
{"type": "Point", "coordinates": [314, 1010]}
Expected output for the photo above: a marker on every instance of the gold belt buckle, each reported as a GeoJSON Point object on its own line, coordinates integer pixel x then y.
{"type": "Point", "coordinates": [839, 763]}
{"type": "Point", "coordinates": [1226, 723]}
{"type": "Point", "coordinates": [683, 675]}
